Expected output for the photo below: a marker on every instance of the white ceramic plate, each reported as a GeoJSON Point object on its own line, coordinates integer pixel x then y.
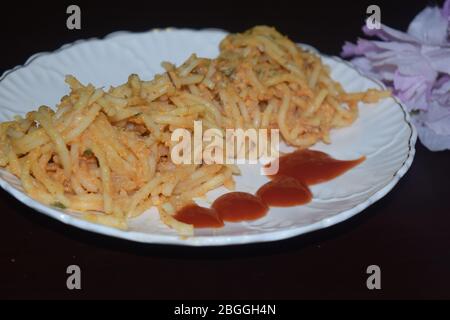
{"type": "Point", "coordinates": [382, 133]}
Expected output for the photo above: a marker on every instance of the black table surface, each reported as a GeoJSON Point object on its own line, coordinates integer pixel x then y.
{"type": "Point", "coordinates": [407, 233]}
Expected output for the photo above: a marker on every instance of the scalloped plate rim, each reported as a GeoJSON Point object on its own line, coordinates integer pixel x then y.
{"type": "Point", "coordinates": [223, 240]}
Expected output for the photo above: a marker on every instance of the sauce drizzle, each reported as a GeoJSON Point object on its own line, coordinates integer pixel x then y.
{"type": "Point", "coordinates": [200, 217]}
{"type": "Point", "coordinates": [313, 167]}
{"type": "Point", "coordinates": [284, 192]}
{"type": "Point", "coordinates": [240, 206]}
{"type": "Point", "coordinates": [289, 187]}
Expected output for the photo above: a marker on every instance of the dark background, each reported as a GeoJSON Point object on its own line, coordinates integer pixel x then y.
{"type": "Point", "coordinates": [407, 233]}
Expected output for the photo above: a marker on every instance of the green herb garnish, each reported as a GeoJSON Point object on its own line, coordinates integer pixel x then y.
{"type": "Point", "coordinates": [59, 205]}
{"type": "Point", "coordinates": [88, 153]}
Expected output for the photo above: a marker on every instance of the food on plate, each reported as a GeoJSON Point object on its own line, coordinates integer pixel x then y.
{"type": "Point", "coordinates": [106, 153]}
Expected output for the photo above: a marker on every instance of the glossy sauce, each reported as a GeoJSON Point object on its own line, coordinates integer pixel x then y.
{"type": "Point", "coordinates": [284, 192]}
{"type": "Point", "coordinates": [232, 207]}
{"type": "Point", "coordinates": [312, 167]}
{"type": "Point", "coordinates": [240, 206]}
{"type": "Point", "coordinates": [289, 187]}
{"type": "Point", "coordinates": [200, 217]}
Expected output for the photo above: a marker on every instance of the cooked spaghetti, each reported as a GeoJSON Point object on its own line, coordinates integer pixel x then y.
{"type": "Point", "coordinates": [107, 153]}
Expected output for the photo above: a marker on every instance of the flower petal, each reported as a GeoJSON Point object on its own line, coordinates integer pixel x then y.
{"type": "Point", "coordinates": [348, 50]}
{"type": "Point", "coordinates": [446, 10]}
{"type": "Point", "coordinates": [441, 91]}
{"type": "Point", "coordinates": [432, 140]}
{"type": "Point", "coordinates": [429, 26]}
{"type": "Point", "coordinates": [438, 58]}
{"type": "Point", "coordinates": [388, 34]}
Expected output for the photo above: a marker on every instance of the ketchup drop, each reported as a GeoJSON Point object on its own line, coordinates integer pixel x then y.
{"type": "Point", "coordinates": [289, 187]}
{"type": "Point", "coordinates": [284, 192]}
{"type": "Point", "coordinates": [240, 206]}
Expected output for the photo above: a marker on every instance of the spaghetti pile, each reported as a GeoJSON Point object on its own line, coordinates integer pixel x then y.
{"type": "Point", "coordinates": [107, 153]}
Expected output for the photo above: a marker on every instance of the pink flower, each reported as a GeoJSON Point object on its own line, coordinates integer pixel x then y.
{"type": "Point", "coordinates": [416, 65]}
